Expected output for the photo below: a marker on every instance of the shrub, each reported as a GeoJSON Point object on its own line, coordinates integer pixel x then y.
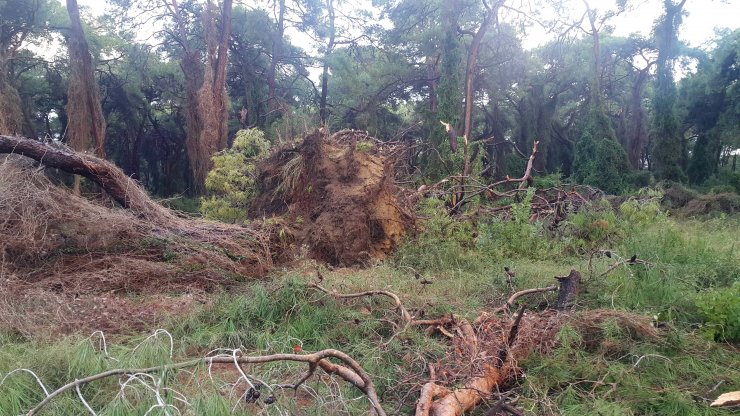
{"type": "Point", "coordinates": [548, 181]}
{"type": "Point", "coordinates": [444, 242]}
{"type": "Point", "coordinates": [231, 182]}
{"type": "Point", "coordinates": [642, 210]}
{"type": "Point", "coordinates": [601, 163]}
{"type": "Point", "coordinates": [593, 228]}
{"type": "Point", "coordinates": [640, 179]}
{"type": "Point", "coordinates": [720, 309]}
{"type": "Point", "coordinates": [515, 236]}
{"type": "Point", "coordinates": [676, 195]}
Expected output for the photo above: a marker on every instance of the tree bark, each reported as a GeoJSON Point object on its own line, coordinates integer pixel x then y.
{"type": "Point", "coordinates": [207, 100]}
{"type": "Point", "coordinates": [569, 287]}
{"type": "Point", "coordinates": [86, 126]}
{"type": "Point", "coordinates": [638, 133]}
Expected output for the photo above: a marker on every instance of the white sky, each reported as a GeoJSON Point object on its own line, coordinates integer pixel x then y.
{"type": "Point", "coordinates": [698, 27]}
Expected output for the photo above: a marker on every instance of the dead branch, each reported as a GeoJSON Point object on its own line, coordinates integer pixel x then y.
{"type": "Point", "coordinates": [428, 392]}
{"type": "Point", "coordinates": [476, 389]}
{"type": "Point", "coordinates": [517, 295]}
{"type": "Point", "coordinates": [405, 316]}
{"type": "Point", "coordinates": [350, 371]}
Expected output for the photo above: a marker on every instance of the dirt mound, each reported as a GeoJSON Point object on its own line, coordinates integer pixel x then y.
{"type": "Point", "coordinates": [338, 195]}
{"type": "Point", "coordinates": [60, 249]}
{"type": "Point", "coordinates": [724, 203]}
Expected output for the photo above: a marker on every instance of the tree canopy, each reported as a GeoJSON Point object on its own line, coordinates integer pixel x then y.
{"type": "Point", "coordinates": [605, 109]}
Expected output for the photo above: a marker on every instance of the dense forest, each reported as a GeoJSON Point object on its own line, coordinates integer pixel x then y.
{"type": "Point", "coordinates": [204, 200]}
{"type": "Point", "coordinates": [607, 110]}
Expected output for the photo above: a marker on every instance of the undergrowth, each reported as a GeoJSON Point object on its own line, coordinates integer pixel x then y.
{"type": "Point", "coordinates": [688, 285]}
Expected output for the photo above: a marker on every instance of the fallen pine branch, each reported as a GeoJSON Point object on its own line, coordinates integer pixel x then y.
{"type": "Point", "coordinates": [350, 371]}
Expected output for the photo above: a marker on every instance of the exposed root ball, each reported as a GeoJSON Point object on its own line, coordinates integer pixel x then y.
{"type": "Point", "coordinates": [339, 196]}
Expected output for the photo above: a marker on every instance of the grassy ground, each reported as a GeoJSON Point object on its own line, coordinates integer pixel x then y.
{"type": "Point", "coordinates": [692, 264]}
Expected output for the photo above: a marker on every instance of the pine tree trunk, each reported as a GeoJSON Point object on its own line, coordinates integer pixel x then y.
{"type": "Point", "coordinates": [86, 128]}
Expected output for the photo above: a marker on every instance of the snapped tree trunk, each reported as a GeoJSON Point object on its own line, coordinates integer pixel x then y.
{"type": "Point", "coordinates": [108, 176]}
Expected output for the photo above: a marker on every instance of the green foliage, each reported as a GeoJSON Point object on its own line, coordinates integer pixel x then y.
{"type": "Point", "coordinates": [514, 237]}
{"type": "Point", "coordinates": [602, 163]}
{"type": "Point", "coordinates": [592, 229]}
{"type": "Point", "coordinates": [720, 309]}
{"type": "Point", "coordinates": [231, 182]}
{"type": "Point", "coordinates": [667, 151]}
{"type": "Point", "coordinates": [444, 242]}
{"type": "Point", "coordinates": [643, 210]}
{"type": "Point", "coordinates": [647, 379]}
{"type": "Point", "coordinates": [548, 181]}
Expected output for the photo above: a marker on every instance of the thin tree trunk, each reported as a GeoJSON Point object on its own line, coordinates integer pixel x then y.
{"type": "Point", "coordinates": [470, 74]}
{"type": "Point", "coordinates": [638, 134]}
{"type": "Point", "coordinates": [323, 113]}
{"type": "Point", "coordinates": [277, 51]}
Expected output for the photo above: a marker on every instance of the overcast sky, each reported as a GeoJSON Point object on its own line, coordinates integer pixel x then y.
{"type": "Point", "coordinates": [698, 27]}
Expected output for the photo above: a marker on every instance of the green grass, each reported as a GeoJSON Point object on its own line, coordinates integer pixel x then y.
{"type": "Point", "coordinates": [465, 262]}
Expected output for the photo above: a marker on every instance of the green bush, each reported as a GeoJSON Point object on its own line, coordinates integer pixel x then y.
{"type": "Point", "coordinates": [548, 181]}
{"type": "Point", "coordinates": [594, 228]}
{"type": "Point", "coordinates": [515, 236]}
{"type": "Point", "coordinates": [601, 163]}
{"type": "Point", "coordinates": [720, 309]}
{"type": "Point", "coordinates": [643, 210]}
{"type": "Point", "coordinates": [231, 182]}
{"type": "Point", "coordinates": [640, 179]}
{"type": "Point", "coordinates": [443, 243]}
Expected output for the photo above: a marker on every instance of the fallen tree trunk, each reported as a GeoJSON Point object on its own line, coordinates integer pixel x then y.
{"type": "Point", "coordinates": [110, 178]}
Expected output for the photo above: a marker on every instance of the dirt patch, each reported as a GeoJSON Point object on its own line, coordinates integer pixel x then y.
{"type": "Point", "coordinates": [337, 195]}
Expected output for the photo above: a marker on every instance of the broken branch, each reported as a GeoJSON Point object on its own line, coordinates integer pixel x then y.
{"type": "Point", "coordinates": [351, 372]}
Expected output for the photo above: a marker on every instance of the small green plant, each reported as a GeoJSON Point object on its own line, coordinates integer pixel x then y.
{"type": "Point", "coordinates": [231, 182]}
{"type": "Point", "coordinates": [594, 228]}
{"type": "Point", "coordinates": [364, 146]}
{"type": "Point", "coordinates": [720, 309]}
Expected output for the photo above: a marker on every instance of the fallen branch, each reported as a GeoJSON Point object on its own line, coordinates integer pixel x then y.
{"type": "Point", "coordinates": [405, 316]}
{"type": "Point", "coordinates": [351, 372]}
{"type": "Point", "coordinates": [110, 178]}
{"type": "Point", "coordinates": [517, 295]}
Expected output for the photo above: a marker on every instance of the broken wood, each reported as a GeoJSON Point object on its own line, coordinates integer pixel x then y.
{"type": "Point", "coordinates": [728, 399]}
{"type": "Point", "coordinates": [517, 295]}
{"type": "Point", "coordinates": [124, 190]}
{"type": "Point", "coordinates": [405, 316]}
{"type": "Point", "coordinates": [569, 287]}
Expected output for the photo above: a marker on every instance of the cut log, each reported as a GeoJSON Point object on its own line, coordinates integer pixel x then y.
{"type": "Point", "coordinates": [108, 176]}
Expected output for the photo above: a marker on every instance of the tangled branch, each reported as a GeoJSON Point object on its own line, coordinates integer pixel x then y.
{"type": "Point", "coordinates": [350, 371]}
